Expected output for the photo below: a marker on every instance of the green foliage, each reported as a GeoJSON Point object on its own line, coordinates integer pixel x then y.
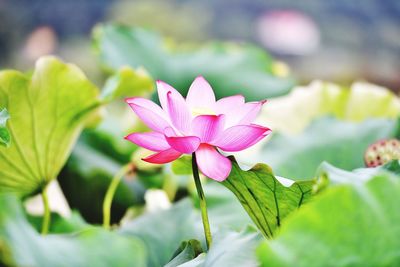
{"type": "Point", "coordinates": [229, 249]}
{"type": "Point", "coordinates": [340, 143]}
{"type": "Point", "coordinates": [102, 151]}
{"type": "Point", "coordinates": [127, 82]}
{"type": "Point", "coordinates": [392, 166]}
{"type": "Point", "coordinates": [85, 180]}
{"type": "Point", "coordinates": [330, 174]}
{"type": "Point", "coordinates": [48, 111]}
{"type": "Point", "coordinates": [230, 68]}
{"type": "Point", "coordinates": [292, 113]}
{"type": "Point", "coordinates": [187, 251]}
{"type": "Point", "coordinates": [59, 224]}
{"type": "Point", "coordinates": [162, 232]}
{"type": "Point", "coordinates": [350, 217]}
{"type": "Point", "coordinates": [223, 207]}
{"type": "Point", "coordinates": [224, 210]}
{"type": "Point", "coordinates": [346, 225]}
{"type": "Point", "coordinates": [21, 245]}
{"type": "Point", "coordinates": [182, 166]}
{"type": "Point", "coordinates": [4, 133]}
{"type": "Point", "coordinates": [264, 197]}
{"type": "Point", "coordinates": [233, 248]}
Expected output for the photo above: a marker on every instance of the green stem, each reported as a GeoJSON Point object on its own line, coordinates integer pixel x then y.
{"type": "Point", "coordinates": [203, 204]}
{"type": "Point", "coordinates": [46, 214]}
{"type": "Point", "coordinates": [110, 194]}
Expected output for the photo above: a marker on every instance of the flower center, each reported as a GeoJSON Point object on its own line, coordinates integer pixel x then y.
{"type": "Point", "coordinates": [202, 111]}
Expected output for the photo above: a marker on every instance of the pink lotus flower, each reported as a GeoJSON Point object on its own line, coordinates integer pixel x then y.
{"type": "Point", "coordinates": [199, 124]}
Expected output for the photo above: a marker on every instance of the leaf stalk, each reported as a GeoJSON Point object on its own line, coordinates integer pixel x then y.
{"type": "Point", "coordinates": [47, 212]}
{"type": "Point", "coordinates": [110, 194]}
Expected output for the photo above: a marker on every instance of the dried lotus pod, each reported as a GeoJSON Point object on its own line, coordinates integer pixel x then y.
{"type": "Point", "coordinates": [382, 152]}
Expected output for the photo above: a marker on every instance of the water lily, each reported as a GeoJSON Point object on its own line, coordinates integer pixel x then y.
{"type": "Point", "coordinates": [198, 124]}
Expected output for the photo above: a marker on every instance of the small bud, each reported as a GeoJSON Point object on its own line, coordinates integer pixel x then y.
{"type": "Point", "coordinates": [382, 152]}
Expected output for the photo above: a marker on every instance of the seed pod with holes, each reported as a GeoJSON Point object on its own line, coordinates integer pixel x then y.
{"type": "Point", "coordinates": [382, 152]}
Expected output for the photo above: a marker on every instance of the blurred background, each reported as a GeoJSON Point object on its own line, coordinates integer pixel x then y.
{"type": "Point", "coordinates": [340, 41]}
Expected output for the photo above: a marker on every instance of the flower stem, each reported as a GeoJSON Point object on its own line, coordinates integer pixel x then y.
{"type": "Point", "coordinates": [46, 214]}
{"type": "Point", "coordinates": [203, 205]}
{"type": "Point", "coordinates": [110, 194]}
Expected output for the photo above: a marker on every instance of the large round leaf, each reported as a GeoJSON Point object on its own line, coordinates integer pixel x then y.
{"type": "Point", "coordinates": [47, 112]}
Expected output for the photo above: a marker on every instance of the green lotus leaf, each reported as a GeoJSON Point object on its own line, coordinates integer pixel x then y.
{"type": "Point", "coordinates": [340, 143]}
{"type": "Point", "coordinates": [229, 249]}
{"type": "Point", "coordinates": [292, 113]}
{"type": "Point", "coordinates": [127, 82]}
{"type": "Point", "coordinates": [354, 224]}
{"type": "Point", "coordinates": [187, 251]}
{"type": "Point", "coordinates": [4, 133]}
{"type": "Point", "coordinates": [230, 68]}
{"type": "Point", "coordinates": [21, 245]}
{"type": "Point", "coordinates": [47, 113]}
{"type": "Point", "coordinates": [266, 199]}
{"type": "Point", "coordinates": [159, 231]}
